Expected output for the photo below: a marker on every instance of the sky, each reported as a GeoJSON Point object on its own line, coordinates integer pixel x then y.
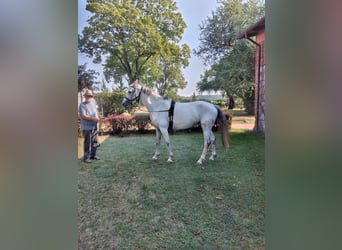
{"type": "Point", "coordinates": [194, 12]}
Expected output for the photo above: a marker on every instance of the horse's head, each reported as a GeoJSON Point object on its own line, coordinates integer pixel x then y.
{"type": "Point", "coordinates": [132, 95]}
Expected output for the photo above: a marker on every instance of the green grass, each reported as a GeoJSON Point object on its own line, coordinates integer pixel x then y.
{"type": "Point", "coordinates": [128, 201]}
{"type": "Point", "coordinates": [239, 112]}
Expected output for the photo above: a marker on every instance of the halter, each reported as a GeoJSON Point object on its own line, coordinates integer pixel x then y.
{"type": "Point", "coordinates": [136, 98]}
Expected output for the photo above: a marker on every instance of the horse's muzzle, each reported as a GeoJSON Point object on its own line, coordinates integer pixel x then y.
{"type": "Point", "coordinates": [126, 102]}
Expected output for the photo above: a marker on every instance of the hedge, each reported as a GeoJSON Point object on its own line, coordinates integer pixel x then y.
{"type": "Point", "coordinates": [140, 122]}
{"type": "Point", "coordinates": [112, 102]}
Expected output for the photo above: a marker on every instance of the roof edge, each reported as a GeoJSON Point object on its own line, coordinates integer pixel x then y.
{"type": "Point", "coordinates": [253, 29]}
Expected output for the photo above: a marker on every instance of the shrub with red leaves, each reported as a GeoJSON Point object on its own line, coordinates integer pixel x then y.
{"type": "Point", "coordinates": [120, 123]}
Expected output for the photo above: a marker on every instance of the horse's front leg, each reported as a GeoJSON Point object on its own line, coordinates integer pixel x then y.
{"type": "Point", "coordinates": [165, 134]}
{"type": "Point", "coordinates": [158, 136]}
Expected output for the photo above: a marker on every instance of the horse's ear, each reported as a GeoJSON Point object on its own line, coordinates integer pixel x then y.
{"type": "Point", "coordinates": [137, 82]}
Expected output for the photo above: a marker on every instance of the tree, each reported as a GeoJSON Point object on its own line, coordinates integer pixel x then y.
{"type": "Point", "coordinates": [193, 97]}
{"type": "Point", "coordinates": [218, 33]}
{"type": "Point", "coordinates": [233, 74]}
{"type": "Point", "coordinates": [104, 87]}
{"type": "Point", "coordinates": [231, 61]}
{"type": "Point", "coordinates": [86, 77]}
{"type": "Point", "coordinates": [164, 72]}
{"type": "Point", "coordinates": [129, 33]}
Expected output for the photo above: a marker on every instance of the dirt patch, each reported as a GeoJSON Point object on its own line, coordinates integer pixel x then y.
{"type": "Point", "coordinates": [243, 122]}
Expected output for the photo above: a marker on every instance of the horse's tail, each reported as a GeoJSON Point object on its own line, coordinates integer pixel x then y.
{"type": "Point", "coordinates": [221, 120]}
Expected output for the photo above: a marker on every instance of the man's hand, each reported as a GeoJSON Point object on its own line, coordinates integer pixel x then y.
{"type": "Point", "coordinates": [90, 118]}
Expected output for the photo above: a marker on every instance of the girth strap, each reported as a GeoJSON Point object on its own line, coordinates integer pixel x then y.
{"type": "Point", "coordinates": [171, 111]}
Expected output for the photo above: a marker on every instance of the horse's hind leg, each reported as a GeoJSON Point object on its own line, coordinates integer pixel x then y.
{"type": "Point", "coordinates": [209, 140]}
{"type": "Point", "coordinates": [213, 145]}
{"type": "Point", "coordinates": [158, 137]}
{"type": "Point", "coordinates": [206, 143]}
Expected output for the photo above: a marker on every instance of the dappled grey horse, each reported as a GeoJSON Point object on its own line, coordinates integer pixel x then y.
{"type": "Point", "coordinates": [182, 116]}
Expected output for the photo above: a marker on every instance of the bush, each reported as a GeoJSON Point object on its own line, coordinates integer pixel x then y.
{"type": "Point", "coordinates": [105, 127]}
{"type": "Point", "coordinates": [248, 102]}
{"type": "Point", "coordinates": [123, 123]}
{"type": "Point", "coordinates": [120, 123]}
{"type": "Point", "coordinates": [112, 102]}
{"type": "Point", "coordinates": [142, 121]}
{"type": "Point", "coordinates": [222, 103]}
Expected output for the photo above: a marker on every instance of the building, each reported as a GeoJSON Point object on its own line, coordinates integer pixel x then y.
{"type": "Point", "coordinates": [257, 30]}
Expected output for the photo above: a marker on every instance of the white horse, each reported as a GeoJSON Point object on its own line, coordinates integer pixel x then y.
{"type": "Point", "coordinates": [185, 115]}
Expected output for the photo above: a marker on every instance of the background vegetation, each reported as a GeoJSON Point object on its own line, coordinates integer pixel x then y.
{"type": "Point", "coordinates": [137, 40]}
{"type": "Point", "coordinates": [141, 40]}
{"type": "Point", "coordinates": [231, 60]}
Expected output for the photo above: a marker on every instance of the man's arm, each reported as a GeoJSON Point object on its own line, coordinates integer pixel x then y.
{"type": "Point", "coordinates": [90, 118]}
{"type": "Point", "coordinates": [85, 116]}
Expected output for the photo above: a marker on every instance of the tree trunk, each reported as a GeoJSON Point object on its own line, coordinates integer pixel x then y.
{"type": "Point", "coordinates": [231, 102]}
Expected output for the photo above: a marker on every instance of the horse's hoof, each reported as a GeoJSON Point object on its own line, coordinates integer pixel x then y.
{"type": "Point", "coordinates": [169, 161]}
{"type": "Point", "coordinates": [154, 158]}
{"type": "Point", "coordinates": [212, 157]}
{"type": "Point", "coordinates": [199, 162]}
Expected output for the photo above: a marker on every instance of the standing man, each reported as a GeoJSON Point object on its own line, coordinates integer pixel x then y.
{"type": "Point", "coordinates": [89, 118]}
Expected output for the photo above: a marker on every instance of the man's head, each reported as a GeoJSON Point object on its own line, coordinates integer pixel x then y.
{"type": "Point", "coordinates": [88, 94]}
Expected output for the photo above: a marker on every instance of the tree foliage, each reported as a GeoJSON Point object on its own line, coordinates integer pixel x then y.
{"type": "Point", "coordinates": [111, 103]}
{"type": "Point", "coordinates": [164, 72]}
{"type": "Point", "coordinates": [133, 35]}
{"type": "Point", "coordinates": [232, 74]}
{"type": "Point", "coordinates": [218, 32]}
{"type": "Point", "coordinates": [86, 77]}
{"type": "Point", "coordinates": [104, 87]}
{"type": "Point", "coordinates": [231, 61]}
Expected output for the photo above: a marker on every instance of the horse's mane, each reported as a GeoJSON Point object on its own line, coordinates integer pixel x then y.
{"type": "Point", "coordinates": [149, 91]}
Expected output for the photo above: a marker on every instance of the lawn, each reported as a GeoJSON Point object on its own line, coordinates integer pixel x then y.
{"type": "Point", "coordinates": [128, 201]}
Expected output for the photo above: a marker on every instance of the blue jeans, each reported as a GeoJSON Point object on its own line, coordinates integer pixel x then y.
{"type": "Point", "coordinates": [90, 143]}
